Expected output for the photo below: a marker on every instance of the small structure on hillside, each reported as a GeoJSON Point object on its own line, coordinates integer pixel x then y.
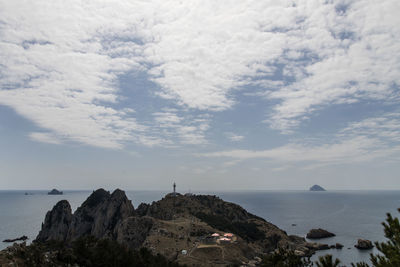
{"type": "Point", "coordinates": [215, 235]}
{"type": "Point", "coordinates": [228, 235]}
{"type": "Point", "coordinates": [174, 185]}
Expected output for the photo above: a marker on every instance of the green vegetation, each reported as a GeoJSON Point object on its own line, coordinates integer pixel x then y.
{"type": "Point", "coordinates": [327, 261]}
{"type": "Point", "coordinates": [285, 258]}
{"type": "Point", "coordinates": [246, 230]}
{"type": "Point", "coordinates": [89, 252]}
{"type": "Point", "coordinates": [391, 248]}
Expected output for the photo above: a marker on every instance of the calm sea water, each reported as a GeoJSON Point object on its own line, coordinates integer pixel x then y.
{"type": "Point", "coordinates": [348, 214]}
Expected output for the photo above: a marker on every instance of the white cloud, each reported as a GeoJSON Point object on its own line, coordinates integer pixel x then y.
{"type": "Point", "coordinates": [234, 137]}
{"type": "Point", "coordinates": [59, 75]}
{"type": "Point", "coordinates": [45, 138]}
{"type": "Point", "coordinates": [385, 127]}
{"type": "Point", "coordinates": [364, 141]}
{"type": "Point", "coordinates": [357, 55]}
{"type": "Point", "coordinates": [183, 129]}
{"type": "Point", "coordinates": [167, 118]}
{"type": "Point", "coordinates": [356, 149]}
{"type": "Point", "coordinates": [61, 61]}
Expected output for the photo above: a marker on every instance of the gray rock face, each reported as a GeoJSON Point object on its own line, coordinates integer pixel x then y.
{"type": "Point", "coordinates": [99, 216]}
{"type": "Point", "coordinates": [133, 231]}
{"type": "Point", "coordinates": [319, 233]}
{"type": "Point", "coordinates": [364, 244]}
{"type": "Point", "coordinates": [56, 223]}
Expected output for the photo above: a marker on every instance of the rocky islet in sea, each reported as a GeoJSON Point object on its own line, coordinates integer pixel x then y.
{"type": "Point", "coordinates": [319, 233]}
{"type": "Point", "coordinates": [55, 192]}
{"type": "Point", "coordinates": [364, 244]}
{"type": "Point", "coordinates": [317, 188]}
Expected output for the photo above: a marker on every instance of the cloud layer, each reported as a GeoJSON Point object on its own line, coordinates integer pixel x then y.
{"type": "Point", "coordinates": [61, 63]}
{"type": "Point", "coordinates": [364, 141]}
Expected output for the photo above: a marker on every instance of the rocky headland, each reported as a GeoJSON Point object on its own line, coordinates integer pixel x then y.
{"type": "Point", "coordinates": [196, 230]}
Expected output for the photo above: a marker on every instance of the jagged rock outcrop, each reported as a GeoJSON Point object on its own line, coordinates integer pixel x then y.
{"type": "Point", "coordinates": [319, 233]}
{"type": "Point", "coordinates": [364, 244]}
{"type": "Point", "coordinates": [98, 216]}
{"type": "Point", "coordinates": [56, 223]}
{"type": "Point", "coordinates": [100, 213]}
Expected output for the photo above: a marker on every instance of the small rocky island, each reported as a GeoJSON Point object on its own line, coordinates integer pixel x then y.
{"type": "Point", "coordinates": [317, 188]}
{"type": "Point", "coordinates": [55, 192]}
{"type": "Point", "coordinates": [364, 244]}
{"type": "Point", "coordinates": [196, 230]}
{"type": "Point", "coordinates": [319, 233]}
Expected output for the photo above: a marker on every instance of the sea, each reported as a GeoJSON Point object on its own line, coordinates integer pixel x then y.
{"type": "Point", "coordinates": [349, 214]}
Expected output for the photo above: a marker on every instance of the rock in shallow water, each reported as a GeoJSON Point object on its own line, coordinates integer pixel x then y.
{"type": "Point", "coordinates": [364, 244]}
{"type": "Point", "coordinates": [338, 246]}
{"type": "Point", "coordinates": [319, 233]}
{"type": "Point", "coordinates": [317, 246]}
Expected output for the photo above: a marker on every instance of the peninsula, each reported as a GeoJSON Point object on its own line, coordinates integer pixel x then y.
{"type": "Point", "coordinates": [196, 230]}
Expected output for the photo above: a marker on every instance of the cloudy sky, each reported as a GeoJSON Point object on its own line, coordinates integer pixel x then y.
{"type": "Point", "coordinates": [211, 94]}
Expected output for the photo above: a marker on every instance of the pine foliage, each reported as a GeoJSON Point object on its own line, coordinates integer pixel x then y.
{"type": "Point", "coordinates": [391, 249]}
{"type": "Point", "coordinates": [327, 261]}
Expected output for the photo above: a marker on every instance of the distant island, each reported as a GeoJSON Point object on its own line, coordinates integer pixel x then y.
{"type": "Point", "coordinates": [55, 192]}
{"type": "Point", "coordinates": [317, 188]}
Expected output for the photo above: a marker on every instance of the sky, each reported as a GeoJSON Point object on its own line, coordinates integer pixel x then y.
{"type": "Point", "coordinates": [214, 95]}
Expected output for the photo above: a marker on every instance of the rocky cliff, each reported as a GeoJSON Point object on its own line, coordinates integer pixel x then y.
{"type": "Point", "coordinates": [99, 216]}
{"type": "Point", "coordinates": [170, 226]}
